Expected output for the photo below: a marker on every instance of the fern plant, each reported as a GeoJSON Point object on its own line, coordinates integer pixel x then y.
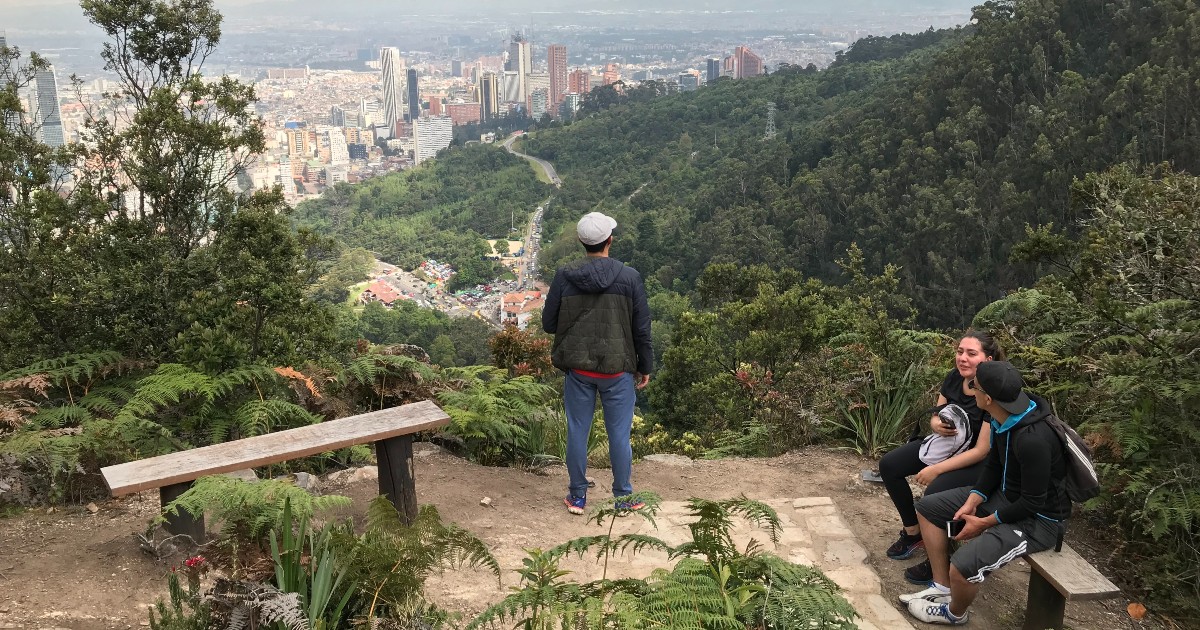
{"type": "Point", "coordinates": [248, 511]}
{"type": "Point", "coordinates": [389, 562]}
{"type": "Point", "coordinates": [489, 410]}
{"type": "Point", "coordinates": [713, 586]}
{"type": "Point", "coordinates": [93, 410]}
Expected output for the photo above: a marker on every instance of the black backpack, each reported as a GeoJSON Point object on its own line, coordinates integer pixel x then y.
{"type": "Point", "coordinates": [1082, 482]}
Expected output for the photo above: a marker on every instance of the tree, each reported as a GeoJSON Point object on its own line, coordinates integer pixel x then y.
{"type": "Point", "coordinates": [170, 154]}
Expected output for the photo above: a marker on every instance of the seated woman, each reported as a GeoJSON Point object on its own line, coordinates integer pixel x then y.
{"type": "Point", "coordinates": [946, 459]}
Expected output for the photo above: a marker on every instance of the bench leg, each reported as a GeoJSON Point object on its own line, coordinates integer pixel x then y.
{"type": "Point", "coordinates": [397, 475]}
{"type": "Point", "coordinates": [184, 522]}
{"type": "Point", "coordinates": [1045, 607]}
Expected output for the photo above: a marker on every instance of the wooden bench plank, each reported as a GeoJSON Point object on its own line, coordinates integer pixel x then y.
{"type": "Point", "coordinates": [1071, 575]}
{"type": "Point", "coordinates": [185, 466]}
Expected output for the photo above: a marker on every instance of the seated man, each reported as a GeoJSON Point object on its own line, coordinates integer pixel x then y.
{"type": "Point", "coordinates": [1017, 507]}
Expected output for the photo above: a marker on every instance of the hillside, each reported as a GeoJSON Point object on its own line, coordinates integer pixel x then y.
{"type": "Point", "coordinates": [931, 151]}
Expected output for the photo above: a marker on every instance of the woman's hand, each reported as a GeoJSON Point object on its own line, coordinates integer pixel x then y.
{"type": "Point", "coordinates": [935, 425]}
{"type": "Point", "coordinates": [927, 475]}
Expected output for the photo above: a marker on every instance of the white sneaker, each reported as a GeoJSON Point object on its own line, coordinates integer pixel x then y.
{"type": "Point", "coordinates": [931, 594]}
{"type": "Point", "coordinates": [930, 612]}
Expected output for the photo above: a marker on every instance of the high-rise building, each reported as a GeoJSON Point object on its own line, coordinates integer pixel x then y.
{"type": "Point", "coordinates": [556, 64]}
{"type": "Point", "coordinates": [746, 64]}
{"type": "Point", "coordinates": [579, 82]}
{"type": "Point", "coordinates": [46, 114]}
{"type": "Point", "coordinates": [570, 105]}
{"type": "Point", "coordinates": [512, 86]}
{"type": "Point", "coordinates": [463, 113]}
{"type": "Point", "coordinates": [298, 142]}
{"type": "Point", "coordinates": [714, 70]}
{"type": "Point", "coordinates": [393, 96]}
{"type": "Point", "coordinates": [431, 134]}
{"type": "Point", "coordinates": [368, 112]}
{"type": "Point", "coordinates": [534, 82]}
{"type": "Point", "coordinates": [539, 103]}
{"type": "Point", "coordinates": [286, 180]}
{"type": "Point", "coordinates": [337, 116]}
{"type": "Point", "coordinates": [456, 68]}
{"type": "Point", "coordinates": [521, 63]}
{"type": "Point", "coordinates": [688, 81]}
{"type": "Point", "coordinates": [489, 96]}
{"type": "Point", "coordinates": [339, 152]}
{"type": "Point", "coordinates": [612, 74]}
{"type": "Point", "coordinates": [414, 95]}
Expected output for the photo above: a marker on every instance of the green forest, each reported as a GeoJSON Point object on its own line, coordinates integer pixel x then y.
{"type": "Point", "coordinates": [443, 211]}
{"type": "Point", "coordinates": [1033, 174]}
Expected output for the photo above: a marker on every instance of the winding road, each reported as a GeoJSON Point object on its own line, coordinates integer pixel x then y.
{"type": "Point", "coordinates": [546, 166]}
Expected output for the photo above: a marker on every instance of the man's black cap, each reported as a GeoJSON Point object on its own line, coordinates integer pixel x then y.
{"type": "Point", "coordinates": [1002, 381]}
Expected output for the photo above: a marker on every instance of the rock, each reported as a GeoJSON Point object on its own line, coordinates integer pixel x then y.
{"type": "Point", "coordinates": [426, 449]}
{"type": "Point", "coordinates": [93, 508]}
{"type": "Point", "coordinates": [353, 475]}
{"type": "Point", "coordinates": [486, 502]}
{"type": "Point", "coordinates": [669, 459]}
{"type": "Point", "coordinates": [245, 474]}
{"type": "Point", "coordinates": [305, 481]}
{"type": "Point", "coordinates": [591, 482]}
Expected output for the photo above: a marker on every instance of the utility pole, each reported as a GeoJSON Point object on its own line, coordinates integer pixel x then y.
{"type": "Point", "coordinates": [770, 134]}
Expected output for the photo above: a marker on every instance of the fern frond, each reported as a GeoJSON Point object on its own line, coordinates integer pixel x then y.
{"type": "Point", "coordinates": [258, 417]}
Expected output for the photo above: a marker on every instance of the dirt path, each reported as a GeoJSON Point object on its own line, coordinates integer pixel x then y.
{"type": "Point", "coordinates": [83, 571]}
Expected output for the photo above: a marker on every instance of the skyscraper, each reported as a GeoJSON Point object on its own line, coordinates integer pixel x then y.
{"type": "Point", "coordinates": [511, 87]}
{"type": "Point", "coordinates": [430, 135]}
{"type": "Point", "coordinates": [339, 151]}
{"type": "Point", "coordinates": [556, 62]}
{"type": "Point", "coordinates": [520, 62]}
{"type": "Point", "coordinates": [47, 114]}
{"type": "Point", "coordinates": [579, 82]}
{"type": "Point", "coordinates": [714, 70]}
{"type": "Point", "coordinates": [393, 97]}
{"type": "Point", "coordinates": [539, 103]}
{"type": "Point", "coordinates": [414, 95]}
{"type": "Point", "coordinates": [489, 96]}
{"type": "Point", "coordinates": [745, 63]}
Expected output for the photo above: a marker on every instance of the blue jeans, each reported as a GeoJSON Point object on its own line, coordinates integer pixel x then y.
{"type": "Point", "coordinates": [617, 396]}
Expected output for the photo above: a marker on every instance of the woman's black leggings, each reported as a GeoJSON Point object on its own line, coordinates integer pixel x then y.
{"type": "Point", "coordinates": [905, 461]}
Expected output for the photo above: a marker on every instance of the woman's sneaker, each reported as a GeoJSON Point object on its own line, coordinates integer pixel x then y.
{"type": "Point", "coordinates": [931, 594]}
{"type": "Point", "coordinates": [921, 574]}
{"type": "Point", "coordinates": [905, 546]}
{"type": "Point", "coordinates": [930, 612]}
{"type": "Point", "coordinates": [575, 505]}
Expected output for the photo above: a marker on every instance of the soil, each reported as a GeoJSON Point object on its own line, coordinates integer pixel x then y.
{"type": "Point", "coordinates": [83, 570]}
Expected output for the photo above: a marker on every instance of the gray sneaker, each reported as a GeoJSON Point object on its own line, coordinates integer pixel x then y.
{"type": "Point", "coordinates": [930, 612]}
{"type": "Point", "coordinates": [931, 594]}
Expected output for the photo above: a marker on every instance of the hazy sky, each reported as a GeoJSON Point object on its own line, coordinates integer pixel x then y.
{"type": "Point", "coordinates": [65, 16]}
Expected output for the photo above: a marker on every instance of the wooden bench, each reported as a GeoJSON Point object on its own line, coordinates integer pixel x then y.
{"type": "Point", "coordinates": [390, 429]}
{"type": "Point", "coordinates": [1056, 577]}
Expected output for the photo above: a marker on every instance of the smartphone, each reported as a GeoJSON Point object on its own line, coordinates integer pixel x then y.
{"type": "Point", "coordinates": [953, 528]}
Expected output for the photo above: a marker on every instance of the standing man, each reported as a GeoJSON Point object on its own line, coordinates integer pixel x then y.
{"type": "Point", "coordinates": [1017, 507]}
{"type": "Point", "coordinates": [597, 312]}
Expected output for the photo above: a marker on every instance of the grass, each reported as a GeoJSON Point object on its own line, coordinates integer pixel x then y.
{"type": "Point", "coordinates": [10, 511]}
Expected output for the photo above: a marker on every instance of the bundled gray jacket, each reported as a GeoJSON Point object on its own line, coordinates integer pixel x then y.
{"type": "Point", "coordinates": [597, 312]}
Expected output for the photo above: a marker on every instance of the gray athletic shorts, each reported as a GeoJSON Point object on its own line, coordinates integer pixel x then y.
{"type": "Point", "coordinates": [996, 546]}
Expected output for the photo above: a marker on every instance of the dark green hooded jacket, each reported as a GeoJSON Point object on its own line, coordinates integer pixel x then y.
{"type": "Point", "coordinates": [597, 312]}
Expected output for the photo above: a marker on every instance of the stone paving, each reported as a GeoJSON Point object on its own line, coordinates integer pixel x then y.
{"type": "Point", "coordinates": [814, 533]}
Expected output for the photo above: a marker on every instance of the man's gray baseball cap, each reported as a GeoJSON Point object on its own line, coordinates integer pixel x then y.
{"type": "Point", "coordinates": [595, 227]}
